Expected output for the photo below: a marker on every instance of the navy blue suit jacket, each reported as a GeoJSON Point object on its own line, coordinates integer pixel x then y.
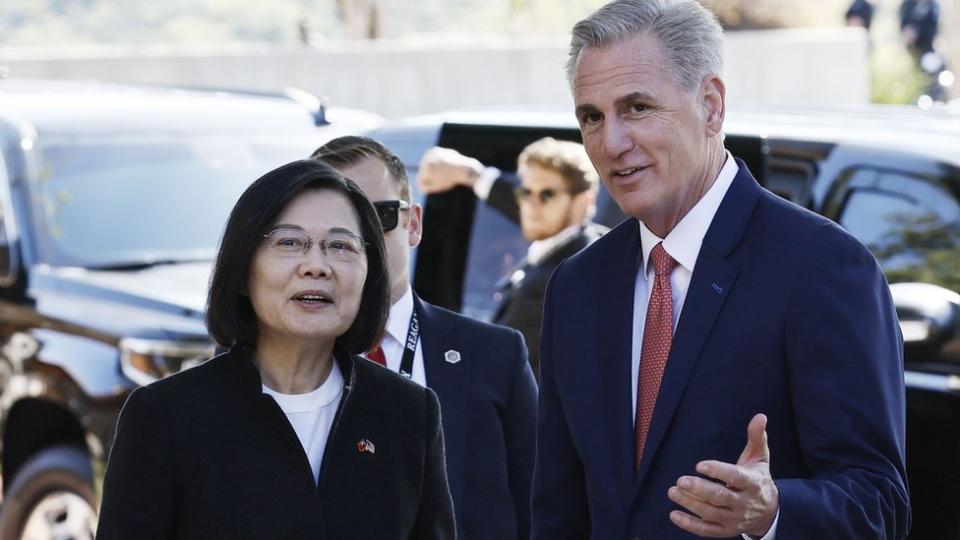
{"type": "Point", "coordinates": [786, 314]}
{"type": "Point", "coordinates": [488, 402]}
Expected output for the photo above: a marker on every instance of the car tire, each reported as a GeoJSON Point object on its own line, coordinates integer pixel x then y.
{"type": "Point", "coordinates": [52, 496]}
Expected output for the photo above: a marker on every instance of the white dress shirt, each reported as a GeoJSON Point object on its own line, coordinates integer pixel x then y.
{"type": "Point", "coordinates": [539, 249]}
{"type": "Point", "coordinates": [398, 323]}
{"type": "Point", "coordinates": [683, 244]}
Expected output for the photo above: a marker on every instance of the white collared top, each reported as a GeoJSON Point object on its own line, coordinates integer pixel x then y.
{"type": "Point", "coordinates": [683, 244]}
{"type": "Point", "coordinates": [539, 249]}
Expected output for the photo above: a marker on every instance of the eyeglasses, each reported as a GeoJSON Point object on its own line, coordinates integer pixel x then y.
{"type": "Point", "coordinates": [389, 212]}
{"type": "Point", "coordinates": [340, 246]}
{"type": "Point", "coordinates": [523, 194]}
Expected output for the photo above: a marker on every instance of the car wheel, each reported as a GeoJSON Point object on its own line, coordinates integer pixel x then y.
{"type": "Point", "coordinates": [51, 498]}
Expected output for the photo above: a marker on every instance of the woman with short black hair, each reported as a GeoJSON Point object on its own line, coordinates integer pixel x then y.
{"type": "Point", "coordinates": [288, 434]}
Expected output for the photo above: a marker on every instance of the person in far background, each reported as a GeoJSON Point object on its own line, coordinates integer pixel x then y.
{"type": "Point", "coordinates": [553, 205]}
{"type": "Point", "coordinates": [860, 14]}
{"type": "Point", "coordinates": [488, 396]}
{"type": "Point", "coordinates": [918, 25]}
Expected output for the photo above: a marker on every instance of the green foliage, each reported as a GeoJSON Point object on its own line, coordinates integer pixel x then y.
{"type": "Point", "coordinates": [930, 246]}
{"type": "Point", "coordinates": [894, 76]}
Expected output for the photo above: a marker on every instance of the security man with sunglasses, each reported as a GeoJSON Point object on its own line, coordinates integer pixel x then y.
{"type": "Point", "coordinates": [479, 371]}
{"type": "Point", "coordinates": [553, 205]}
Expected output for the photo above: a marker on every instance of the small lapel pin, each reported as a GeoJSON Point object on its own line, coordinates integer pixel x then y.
{"type": "Point", "coordinates": [717, 288]}
{"type": "Point", "coordinates": [365, 445]}
{"type": "Point", "coordinates": [452, 356]}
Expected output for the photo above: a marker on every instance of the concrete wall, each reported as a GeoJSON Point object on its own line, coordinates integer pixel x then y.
{"type": "Point", "coordinates": [396, 78]}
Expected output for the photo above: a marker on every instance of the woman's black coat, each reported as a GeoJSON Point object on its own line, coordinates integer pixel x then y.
{"type": "Point", "coordinates": [205, 454]}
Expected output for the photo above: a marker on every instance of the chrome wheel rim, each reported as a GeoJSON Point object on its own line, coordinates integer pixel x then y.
{"type": "Point", "coordinates": [60, 515]}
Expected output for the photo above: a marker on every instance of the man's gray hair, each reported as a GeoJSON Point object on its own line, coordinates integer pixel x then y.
{"type": "Point", "coordinates": [689, 34]}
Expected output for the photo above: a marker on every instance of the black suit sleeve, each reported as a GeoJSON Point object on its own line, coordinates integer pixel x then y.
{"type": "Point", "coordinates": [502, 200]}
{"type": "Point", "coordinates": [435, 515]}
{"type": "Point", "coordinates": [139, 489]}
{"type": "Point", "coordinates": [521, 430]}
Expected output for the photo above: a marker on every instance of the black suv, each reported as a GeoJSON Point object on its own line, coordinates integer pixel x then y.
{"type": "Point", "coordinates": [112, 201]}
{"type": "Point", "coordinates": [890, 176]}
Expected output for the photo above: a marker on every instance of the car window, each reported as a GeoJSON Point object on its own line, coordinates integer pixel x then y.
{"type": "Point", "coordinates": [7, 257]}
{"type": "Point", "coordinates": [496, 247]}
{"type": "Point", "coordinates": [122, 199]}
{"type": "Point", "coordinates": [791, 179]}
{"type": "Point", "coordinates": [911, 224]}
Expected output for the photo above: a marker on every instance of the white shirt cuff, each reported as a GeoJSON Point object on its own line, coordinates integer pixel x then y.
{"type": "Point", "coordinates": [771, 534]}
{"type": "Point", "coordinates": [485, 181]}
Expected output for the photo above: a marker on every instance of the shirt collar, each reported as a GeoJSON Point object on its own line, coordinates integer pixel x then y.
{"type": "Point", "coordinates": [684, 241]}
{"type": "Point", "coordinates": [541, 248]}
{"type": "Point", "coordinates": [400, 313]}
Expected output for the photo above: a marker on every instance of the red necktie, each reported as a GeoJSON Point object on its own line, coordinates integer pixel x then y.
{"type": "Point", "coordinates": [376, 354]}
{"type": "Point", "coordinates": [657, 337]}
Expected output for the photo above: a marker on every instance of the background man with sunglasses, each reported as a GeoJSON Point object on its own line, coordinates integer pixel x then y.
{"type": "Point", "coordinates": [553, 205]}
{"type": "Point", "coordinates": [479, 371]}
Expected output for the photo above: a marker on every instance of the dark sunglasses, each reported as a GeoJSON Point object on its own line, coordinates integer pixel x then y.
{"type": "Point", "coordinates": [389, 213]}
{"type": "Point", "coordinates": [523, 194]}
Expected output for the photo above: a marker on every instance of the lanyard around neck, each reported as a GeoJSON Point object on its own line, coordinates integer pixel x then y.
{"type": "Point", "coordinates": [410, 346]}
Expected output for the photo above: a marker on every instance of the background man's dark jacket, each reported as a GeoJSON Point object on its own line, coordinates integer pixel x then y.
{"type": "Point", "coordinates": [521, 292]}
{"type": "Point", "coordinates": [205, 454]}
{"type": "Point", "coordinates": [488, 399]}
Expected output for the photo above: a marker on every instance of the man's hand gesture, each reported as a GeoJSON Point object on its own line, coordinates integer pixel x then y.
{"type": "Point", "coordinates": [741, 498]}
{"type": "Point", "coordinates": [442, 169]}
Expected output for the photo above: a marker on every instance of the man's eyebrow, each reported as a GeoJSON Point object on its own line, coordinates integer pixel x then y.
{"type": "Point", "coordinates": [621, 101]}
{"type": "Point", "coordinates": [580, 110]}
{"type": "Point", "coordinates": [633, 97]}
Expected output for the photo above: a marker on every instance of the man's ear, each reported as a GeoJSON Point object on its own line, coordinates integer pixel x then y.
{"type": "Point", "coordinates": [414, 224]}
{"type": "Point", "coordinates": [713, 96]}
{"type": "Point", "coordinates": [584, 205]}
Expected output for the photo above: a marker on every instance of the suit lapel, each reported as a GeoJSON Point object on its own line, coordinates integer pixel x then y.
{"type": "Point", "coordinates": [613, 392]}
{"type": "Point", "coordinates": [711, 283]}
{"type": "Point", "coordinates": [451, 383]}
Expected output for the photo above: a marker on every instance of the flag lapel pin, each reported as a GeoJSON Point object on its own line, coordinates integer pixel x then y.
{"type": "Point", "coordinates": [365, 445]}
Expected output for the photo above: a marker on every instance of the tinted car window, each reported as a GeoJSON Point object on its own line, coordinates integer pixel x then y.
{"type": "Point", "coordinates": [912, 225]}
{"type": "Point", "coordinates": [125, 199]}
{"type": "Point", "coordinates": [496, 247]}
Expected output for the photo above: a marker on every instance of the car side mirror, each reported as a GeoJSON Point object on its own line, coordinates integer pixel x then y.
{"type": "Point", "coordinates": [929, 320]}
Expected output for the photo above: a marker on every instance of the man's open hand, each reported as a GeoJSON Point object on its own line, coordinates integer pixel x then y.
{"type": "Point", "coordinates": [742, 500]}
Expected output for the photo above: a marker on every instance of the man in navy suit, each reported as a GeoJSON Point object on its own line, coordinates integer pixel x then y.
{"type": "Point", "coordinates": [726, 363]}
{"type": "Point", "coordinates": [479, 371]}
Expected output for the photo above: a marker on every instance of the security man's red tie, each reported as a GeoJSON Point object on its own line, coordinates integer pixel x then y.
{"type": "Point", "coordinates": [376, 354]}
{"type": "Point", "coordinates": [657, 337]}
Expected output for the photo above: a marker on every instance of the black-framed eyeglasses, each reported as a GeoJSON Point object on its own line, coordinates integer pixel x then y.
{"type": "Point", "coordinates": [389, 212]}
{"type": "Point", "coordinates": [523, 194]}
{"type": "Point", "coordinates": [339, 246]}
